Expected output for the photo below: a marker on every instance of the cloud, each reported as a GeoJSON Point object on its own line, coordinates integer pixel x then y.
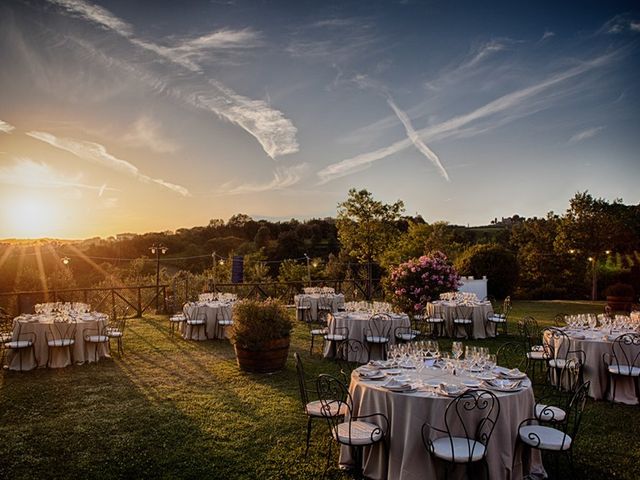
{"type": "Point", "coordinates": [275, 133]}
{"type": "Point", "coordinates": [6, 127]}
{"type": "Point", "coordinates": [96, 153]}
{"type": "Point", "coordinates": [26, 172]}
{"type": "Point", "coordinates": [503, 105]}
{"type": "Point", "coordinates": [622, 23]}
{"type": "Point", "coordinates": [145, 132]}
{"type": "Point", "coordinates": [583, 135]}
{"type": "Point", "coordinates": [283, 177]}
{"type": "Point", "coordinates": [547, 34]}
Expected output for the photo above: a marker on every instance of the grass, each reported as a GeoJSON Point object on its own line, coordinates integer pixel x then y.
{"type": "Point", "coordinates": [173, 408]}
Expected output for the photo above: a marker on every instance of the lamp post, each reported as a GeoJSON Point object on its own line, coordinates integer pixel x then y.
{"type": "Point", "coordinates": [157, 249]}
{"type": "Point", "coordinates": [308, 270]}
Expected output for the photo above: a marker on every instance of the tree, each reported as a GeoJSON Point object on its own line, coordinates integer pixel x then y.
{"type": "Point", "coordinates": [263, 235]}
{"type": "Point", "coordinates": [366, 227]}
{"type": "Point", "coordinates": [494, 261]}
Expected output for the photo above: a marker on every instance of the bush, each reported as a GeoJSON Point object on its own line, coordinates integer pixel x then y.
{"type": "Point", "coordinates": [256, 323]}
{"type": "Point", "coordinates": [496, 262]}
{"type": "Point", "coordinates": [619, 290]}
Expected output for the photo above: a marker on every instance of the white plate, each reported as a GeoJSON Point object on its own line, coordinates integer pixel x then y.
{"type": "Point", "coordinates": [471, 383]}
{"type": "Point", "coordinates": [486, 376]}
{"type": "Point", "coordinates": [378, 376]}
{"type": "Point", "coordinates": [393, 371]}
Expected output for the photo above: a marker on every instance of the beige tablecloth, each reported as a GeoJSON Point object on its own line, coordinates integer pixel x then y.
{"type": "Point", "coordinates": [40, 324]}
{"type": "Point", "coordinates": [212, 311]}
{"type": "Point", "coordinates": [594, 345]}
{"type": "Point", "coordinates": [335, 300]}
{"type": "Point", "coordinates": [407, 457]}
{"type": "Point", "coordinates": [450, 311]}
{"type": "Point", "coordinates": [357, 322]}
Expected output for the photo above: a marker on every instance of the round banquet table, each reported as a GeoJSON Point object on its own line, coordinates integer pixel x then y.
{"type": "Point", "coordinates": [40, 324]}
{"type": "Point", "coordinates": [407, 458]}
{"type": "Point", "coordinates": [213, 312]}
{"type": "Point", "coordinates": [335, 300]}
{"type": "Point", "coordinates": [478, 313]}
{"type": "Point", "coordinates": [595, 343]}
{"type": "Point", "coordinates": [357, 322]}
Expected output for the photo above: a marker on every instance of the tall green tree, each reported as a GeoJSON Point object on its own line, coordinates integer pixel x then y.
{"type": "Point", "coordinates": [366, 227]}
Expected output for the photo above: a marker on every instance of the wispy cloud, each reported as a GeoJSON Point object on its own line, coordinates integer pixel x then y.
{"type": "Point", "coordinates": [29, 173]}
{"type": "Point", "coordinates": [583, 135]}
{"type": "Point", "coordinates": [6, 127]}
{"type": "Point", "coordinates": [622, 23]}
{"type": "Point", "coordinates": [96, 153]}
{"type": "Point", "coordinates": [275, 133]}
{"type": "Point", "coordinates": [503, 105]}
{"type": "Point", "coordinates": [146, 132]}
{"type": "Point", "coordinates": [283, 177]}
{"type": "Point", "coordinates": [547, 34]}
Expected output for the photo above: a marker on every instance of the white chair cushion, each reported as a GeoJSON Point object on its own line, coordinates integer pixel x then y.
{"type": "Point", "coordinates": [61, 342]}
{"type": "Point", "coordinates": [497, 319]}
{"type": "Point", "coordinates": [462, 448]}
{"type": "Point", "coordinates": [463, 321]}
{"type": "Point", "coordinates": [114, 333]}
{"type": "Point", "coordinates": [360, 433]}
{"type": "Point", "coordinates": [376, 339]}
{"type": "Point", "coordinates": [407, 337]}
{"type": "Point", "coordinates": [318, 331]}
{"type": "Point", "coordinates": [301, 307]}
{"type": "Point", "coordinates": [535, 355]}
{"type": "Point", "coordinates": [19, 344]}
{"type": "Point", "coordinates": [561, 362]}
{"type": "Point", "coordinates": [195, 321]}
{"type": "Point", "coordinates": [97, 338]}
{"type": "Point", "coordinates": [335, 337]}
{"type": "Point", "coordinates": [548, 413]}
{"type": "Point", "coordinates": [177, 318]}
{"type": "Point", "coordinates": [546, 438]}
{"type": "Point", "coordinates": [314, 409]}
{"type": "Point", "coordinates": [434, 320]}
{"type": "Point", "coordinates": [624, 370]}
{"type": "Point", "coordinates": [225, 323]}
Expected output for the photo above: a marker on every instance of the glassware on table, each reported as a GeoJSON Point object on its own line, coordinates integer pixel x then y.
{"type": "Point", "coordinates": [456, 350]}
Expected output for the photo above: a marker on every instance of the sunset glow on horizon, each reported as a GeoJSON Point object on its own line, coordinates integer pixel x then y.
{"type": "Point", "coordinates": [118, 117]}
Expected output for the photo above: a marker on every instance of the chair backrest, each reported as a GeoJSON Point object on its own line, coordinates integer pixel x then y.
{"type": "Point", "coordinates": [379, 325]}
{"type": "Point", "coordinates": [625, 350]}
{"type": "Point", "coordinates": [473, 414]}
{"type": "Point", "coordinates": [464, 312]}
{"type": "Point", "coordinates": [304, 302]}
{"type": "Point", "coordinates": [557, 345]}
{"type": "Point", "coordinates": [512, 355]}
{"type": "Point", "coordinates": [506, 306]}
{"type": "Point", "coordinates": [559, 320]}
{"type": "Point", "coordinates": [325, 302]}
{"type": "Point", "coordinates": [61, 331]}
{"type": "Point", "coordinates": [22, 335]}
{"type": "Point", "coordinates": [334, 397]}
{"type": "Point", "coordinates": [529, 331]}
{"type": "Point", "coordinates": [302, 385]}
{"type": "Point", "coordinates": [575, 410]}
{"type": "Point", "coordinates": [348, 352]}
{"type": "Point", "coordinates": [194, 313]}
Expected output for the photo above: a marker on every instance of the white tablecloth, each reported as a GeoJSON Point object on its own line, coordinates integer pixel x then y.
{"type": "Point", "coordinates": [449, 311]}
{"type": "Point", "coordinates": [357, 323]}
{"type": "Point", "coordinates": [335, 300]}
{"type": "Point", "coordinates": [212, 312]}
{"type": "Point", "coordinates": [407, 458]}
{"type": "Point", "coordinates": [40, 324]}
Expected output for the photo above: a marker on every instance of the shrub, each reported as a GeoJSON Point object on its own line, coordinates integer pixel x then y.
{"type": "Point", "coordinates": [421, 280]}
{"type": "Point", "coordinates": [257, 322]}
{"type": "Point", "coordinates": [496, 262]}
{"type": "Point", "coordinates": [619, 290]}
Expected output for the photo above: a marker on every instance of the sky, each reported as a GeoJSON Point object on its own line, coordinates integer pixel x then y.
{"type": "Point", "coordinates": [136, 116]}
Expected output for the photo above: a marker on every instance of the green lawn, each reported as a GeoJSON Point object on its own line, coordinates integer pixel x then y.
{"type": "Point", "coordinates": [174, 408]}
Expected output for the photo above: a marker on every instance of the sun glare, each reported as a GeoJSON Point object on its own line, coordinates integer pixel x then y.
{"type": "Point", "coordinates": [32, 218]}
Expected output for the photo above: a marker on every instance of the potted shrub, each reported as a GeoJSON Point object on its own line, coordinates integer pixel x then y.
{"type": "Point", "coordinates": [260, 335]}
{"type": "Point", "coordinates": [619, 296]}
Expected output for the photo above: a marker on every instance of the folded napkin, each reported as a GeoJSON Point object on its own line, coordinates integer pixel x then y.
{"type": "Point", "coordinates": [396, 384]}
{"type": "Point", "coordinates": [578, 336]}
{"type": "Point", "coordinates": [369, 373]}
{"type": "Point", "coordinates": [504, 384]}
{"type": "Point", "coordinates": [510, 373]}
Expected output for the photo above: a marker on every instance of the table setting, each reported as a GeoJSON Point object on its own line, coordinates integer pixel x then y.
{"type": "Point", "coordinates": [216, 309]}
{"type": "Point", "coordinates": [452, 305]}
{"type": "Point", "coordinates": [317, 298]}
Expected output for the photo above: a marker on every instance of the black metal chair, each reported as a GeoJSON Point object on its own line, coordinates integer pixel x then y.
{"type": "Point", "coordinates": [334, 334]}
{"type": "Point", "coordinates": [560, 437]}
{"type": "Point", "coordinates": [469, 422]}
{"type": "Point", "coordinates": [405, 334]}
{"type": "Point", "coordinates": [500, 317]}
{"type": "Point", "coordinates": [22, 341]}
{"type": "Point", "coordinates": [116, 329]}
{"type": "Point", "coordinates": [97, 336]}
{"type": "Point", "coordinates": [60, 336]}
{"type": "Point", "coordinates": [350, 354]}
{"type": "Point", "coordinates": [623, 361]}
{"type": "Point", "coordinates": [377, 334]}
{"type": "Point", "coordinates": [311, 408]}
{"type": "Point", "coordinates": [303, 309]}
{"type": "Point", "coordinates": [353, 431]}
{"type": "Point", "coordinates": [176, 321]}
{"type": "Point", "coordinates": [463, 319]}
{"type": "Point", "coordinates": [318, 328]}
{"type": "Point", "coordinates": [197, 319]}
{"type": "Point", "coordinates": [563, 361]}
{"type": "Point", "coordinates": [512, 355]}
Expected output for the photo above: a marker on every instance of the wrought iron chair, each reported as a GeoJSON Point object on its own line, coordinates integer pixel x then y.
{"type": "Point", "coordinates": [354, 431]}
{"type": "Point", "coordinates": [60, 336]}
{"type": "Point", "coordinates": [116, 328]}
{"type": "Point", "coordinates": [378, 333]}
{"type": "Point", "coordinates": [434, 325]}
{"type": "Point", "coordinates": [303, 309]}
{"type": "Point", "coordinates": [623, 361]}
{"type": "Point", "coordinates": [21, 342]}
{"type": "Point", "coordinates": [311, 408]}
{"type": "Point", "coordinates": [469, 422]}
{"type": "Point", "coordinates": [334, 334]}
{"type": "Point", "coordinates": [530, 334]}
{"type": "Point", "coordinates": [559, 320]}
{"type": "Point", "coordinates": [349, 354]}
{"type": "Point", "coordinates": [562, 435]}
{"type": "Point", "coordinates": [318, 328]}
{"type": "Point", "coordinates": [197, 319]}
{"type": "Point", "coordinates": [176, 321]}
{"type": "Point", "coordinates": [97, 336]}
{"type": "Point", "coordinates": [224, 318]}
{"type": "Point", "coordinates": [500, 317]}
{"type": "Point", "coordinates": [463, 319]}
{"type": "Point", "coordinates": [563, 361]}
{"type": "Point", "coordinates": [325, 303]}
{"type": "Point", "coordinates": [513, 355]}
{"type": "Point", "coordinates": [405, 334]}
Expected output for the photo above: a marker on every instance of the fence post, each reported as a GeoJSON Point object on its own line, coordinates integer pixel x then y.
{"type": "Point", "coordinates": [164, 298]}
{"type": "Point", "coordinates": [139, 313]}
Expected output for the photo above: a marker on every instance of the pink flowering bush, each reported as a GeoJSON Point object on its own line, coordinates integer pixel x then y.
{"type": "Point", "coordinates": [422, 280]}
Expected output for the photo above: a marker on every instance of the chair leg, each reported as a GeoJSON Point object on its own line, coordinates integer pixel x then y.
{"type": "Point", "coordinates": [306, 451]}
{"type": "Point", "coordinates": [615, 383]}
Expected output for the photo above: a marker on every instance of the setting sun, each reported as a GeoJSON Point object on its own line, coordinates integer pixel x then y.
{"type": "Point", "coordinates": [32, 217]}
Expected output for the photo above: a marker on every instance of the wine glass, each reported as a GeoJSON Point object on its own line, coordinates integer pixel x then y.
{"type": "Point", "coordinates": [456, 350]}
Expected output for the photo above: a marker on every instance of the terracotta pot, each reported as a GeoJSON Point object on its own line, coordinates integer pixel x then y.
{"type": "Point", "coordinates": [620, 303]}
{"type": "Point", "coordinates": [271, 358]}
